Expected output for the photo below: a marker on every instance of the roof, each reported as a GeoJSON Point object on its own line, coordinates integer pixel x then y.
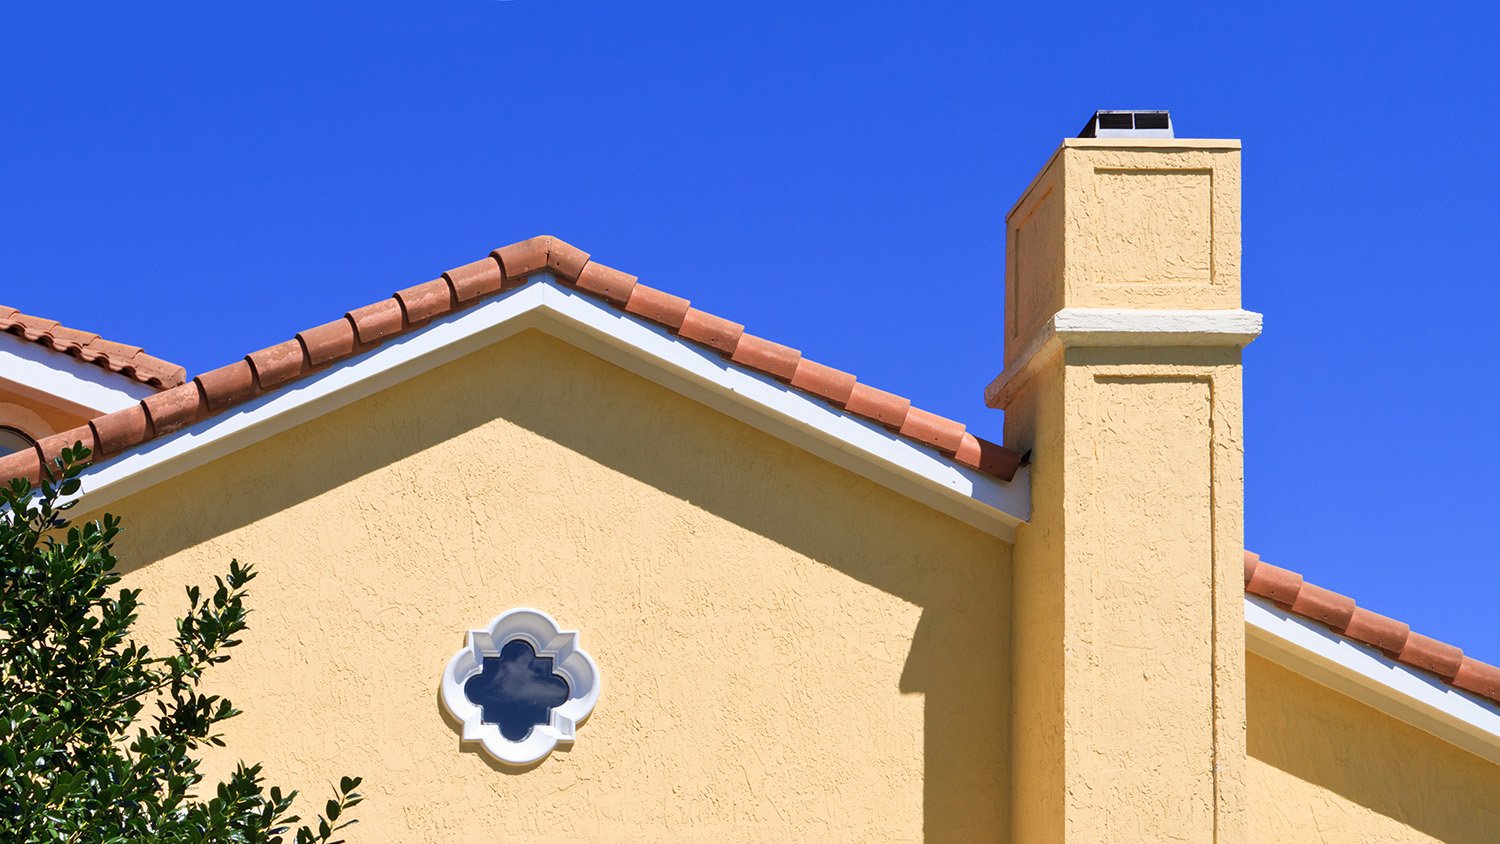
{"type": "Point", "coordinates": [507, 268]}
{"type": "Point", "coordinates": [119, 358]}
{"type": "Point", "coordinates": [1395, 639]}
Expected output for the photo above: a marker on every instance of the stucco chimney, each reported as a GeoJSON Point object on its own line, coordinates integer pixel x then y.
{"type": "Point", "coordinates": [1123, 336]}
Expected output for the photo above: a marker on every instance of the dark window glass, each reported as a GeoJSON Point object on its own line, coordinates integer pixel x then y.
{"type": "Point", "coordinates": [516, 690]}
{"type": "Point", "coordinates": [12, 441]}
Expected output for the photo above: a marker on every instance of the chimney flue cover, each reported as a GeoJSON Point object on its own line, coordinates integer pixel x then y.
{"type": "Point", "coordinates": [1141, 123]}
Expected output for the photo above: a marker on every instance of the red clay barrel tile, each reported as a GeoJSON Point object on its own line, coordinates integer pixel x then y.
{"type": "Point", "coordinates": [937, 431]}
{"type": "Point", "coordinates": [565, 259]}
{"type": "Point", "coordinates": [227, 385]}
{"type": "Point", "coordinates": [607, 283]}
{"type": "Point", "coordinates": [1323, 605]}
{"type": "Point", "coordinates": [475, 279]}
{"type": "Point", "coordinates": [886, 408]}
{"type": "Point", "coordinates": [328, 342]}
{"type": "Point", "coordinates": [278, 364]}
{"type": "Point", "coordinates": [172, 409]}
{"type": "Point", "coordinates": [657, 306]}
{"type": "Point", "coordinates": [1274, 582]}
{"type": "Point", "coordinates": [376, 321]}
{"type": "Point", "coordinates": [25, 464]}
{"type": "Point", "coordinates": [831, 385]}
{"type": "Point", "coordinates": [773, 359]}
{"type": "Point", "coordinates": [1481, 678]}
{"type": "Point", "coordinates": [422, 302]}
{"type": "Point", "coordinates": [52, 447]}
{"type": "Point", "coordinates": [524, 258]}
{"type": "Point", "coordinates": [1378, 631]}
{"type": "Point", "coordinates": [715, 332]}
{"type": "Point", "coordinates": [1429, 654]}
{"type": "Point", "coordinates": [120, 430]}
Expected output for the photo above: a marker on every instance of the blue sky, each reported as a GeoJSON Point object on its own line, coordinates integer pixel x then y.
{"type": "Point", "coordinates": [205, 180]}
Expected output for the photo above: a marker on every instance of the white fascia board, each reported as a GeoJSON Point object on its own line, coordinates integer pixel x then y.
{"type": "Point", "coordinates": [65, 377]}
{"type": "Point", "coordinates": [867, 449]}
{"type": "Point", "coordinates": [1365, 674]}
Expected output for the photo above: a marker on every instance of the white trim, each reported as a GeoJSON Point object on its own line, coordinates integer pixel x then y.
{"type": "Point", "coordinates": [863, 447]}
{"type": "Point", "coordinates": [549, 641]}
{"type": "Point", "coordinates": [1117, 327]}
{"type": "Point", "coordinates": [1365, 674]}
{"type": "Point", "coordinates": [62, 376]}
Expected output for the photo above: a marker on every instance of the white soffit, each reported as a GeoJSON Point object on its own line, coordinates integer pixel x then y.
{"type": "Point", "coordinates": [85, 386]}
{"type": "Point", "coordinates": [981, 500]}
{"type": "Point", "coordinates": [1363, 673]}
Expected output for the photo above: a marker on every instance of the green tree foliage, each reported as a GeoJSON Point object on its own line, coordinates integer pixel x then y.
{"type": "Point", "coordinates": [99, 737]}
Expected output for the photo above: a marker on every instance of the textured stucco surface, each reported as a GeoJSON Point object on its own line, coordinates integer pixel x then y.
{"type": "Point", "coordinates": [1112, 226]}
{"type": "Point", "coordinates": [1128, 706]}
{"type": "Point", "coordinates": [787, 650]}
{"type": "Point", "coordinates": [1129, 645]}
{"type": "Point", "coordinates": [1325, 767]}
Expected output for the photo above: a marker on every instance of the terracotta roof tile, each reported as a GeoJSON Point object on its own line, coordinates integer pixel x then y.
{"type": "Point", "coordinates": [363, 328]}
{"type": "Point", "coordinates": [278, 364]}
{"type": "Point", "coordinates": [1339, 612]}
{"type": "Point", "coordinates": [328, 342]}
{"type": "Point", "coordinates": [88, 347]}
{"type": "Point", "coordinates": [937, 431]}
{"type": "Point", "coordinates": [653, 304]}
{"type": "Point", "coordinates": [773, 359]}
{"type": "Point", "coordinates": [120, 430]}
{"type": "Point", "coordinates": [471, 281]}
{"type": "Point", "coordinates": [422, 302]}
{"type": "Point", "coordinates": [174, 408]}
{"type": "Point", "coordinates": [831, 385]}
{"type": "Point", "coordinates": [227, 385]}
{"type": "Point", "coordinates": [717, 333]}
{"type": "Point", "coordinates": [606, 283]}
{"type": "Point", "coordinates": [888, 409]}
{"type": "Point", "coordinates": [26, 463]}
{"type": "Point", "coordinates": [378, 320]}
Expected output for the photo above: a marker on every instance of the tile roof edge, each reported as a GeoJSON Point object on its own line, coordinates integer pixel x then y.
{"type": "Point", "coordinates": [1395, 639]}
{"type": "Point", "coordinates": [508, 268]}
{"type": "Point", "coordinates": [122, 359]}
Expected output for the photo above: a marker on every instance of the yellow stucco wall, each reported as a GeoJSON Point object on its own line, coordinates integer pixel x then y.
{"type": "Point", "coordinates": [1325, 767]}
{"type": "Point", "coordinates": [1128, 709]}
{"type": "Point", "coordinates": [787, 650]}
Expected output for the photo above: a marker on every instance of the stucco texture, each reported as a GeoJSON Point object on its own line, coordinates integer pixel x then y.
{"type": "Point", "coordinates": [788, 651]}
{"type": "Point", "coordinates": [1325, 767]}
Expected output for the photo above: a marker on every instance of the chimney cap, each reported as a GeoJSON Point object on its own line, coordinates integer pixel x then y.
{"type": "Point", "coordinates": [1129, 123]}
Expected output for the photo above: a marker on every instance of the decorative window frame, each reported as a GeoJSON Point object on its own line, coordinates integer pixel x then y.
{"type": "Point", "coordinates": [549, 641]}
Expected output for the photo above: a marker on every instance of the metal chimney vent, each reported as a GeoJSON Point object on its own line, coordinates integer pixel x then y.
{"type": "Point", "coordinates": [1128, 124]}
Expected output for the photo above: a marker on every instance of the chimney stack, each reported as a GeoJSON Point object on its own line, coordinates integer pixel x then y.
{"type": "Point", "coordinates": [1123, 337]}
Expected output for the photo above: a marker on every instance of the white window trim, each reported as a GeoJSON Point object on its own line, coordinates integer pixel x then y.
{"type": "Point", "coordinates": [549, 641]}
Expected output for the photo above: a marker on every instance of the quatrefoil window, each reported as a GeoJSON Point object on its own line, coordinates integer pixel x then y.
{"type": "Point", "coordinates": [516, 690]}
{"type": "Point", "coordinates": [520, 686]}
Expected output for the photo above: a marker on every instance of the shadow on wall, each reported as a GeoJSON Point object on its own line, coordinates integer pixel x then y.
{"type": "Point", "coordinates": [1310, 743]}
{"type": "Point", "coordinates": [959, 656]}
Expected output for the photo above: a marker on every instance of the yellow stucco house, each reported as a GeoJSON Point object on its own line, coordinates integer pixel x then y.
{"type": "Point", "coordinates": [548, 554]}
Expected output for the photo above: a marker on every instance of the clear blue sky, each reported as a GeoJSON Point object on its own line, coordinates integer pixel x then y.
{"type": "Point", "coordinates": [207, 179]}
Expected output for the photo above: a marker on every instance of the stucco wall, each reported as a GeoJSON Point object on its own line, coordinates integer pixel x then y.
{"type": "Point", "coordinates": [787, 650]}
{"type": "Point", "coordinates": [1325, 767]}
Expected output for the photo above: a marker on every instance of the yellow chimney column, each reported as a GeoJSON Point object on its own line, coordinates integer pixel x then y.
{"type": "Point", "coordinates": [1123, 335]}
